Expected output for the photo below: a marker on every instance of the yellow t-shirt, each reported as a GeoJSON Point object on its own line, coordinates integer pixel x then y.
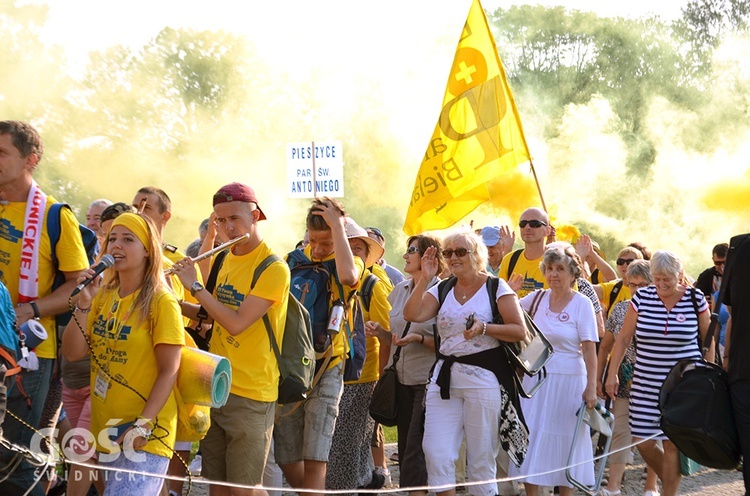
{"type": "Point", "coordinates": [255, 371]}
{"type": "Point", "coordinates": [339, 342]}
{"type": "Point", "coordinates": [126, 349]}
{"type": "Point", "coordinates": [381, 274]}
{"type": "Point", "coordinates": [182, 293]}
{"type": "Point", "coordinates": [624, 294]}
{"type": "Point", "coordinates": [380, 309]}
{"type": "Point", "coordinates": [71, 256]}
{"type": "Point", "coordinates": [533, 277]}
{"type": "Point", "coordinates": [172, 256]}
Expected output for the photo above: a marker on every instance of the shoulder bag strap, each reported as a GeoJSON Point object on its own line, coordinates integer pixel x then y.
{"type": "Point", "coordinates": [398, 348]}
{"type": "Point", "coordinates": [536, 302]}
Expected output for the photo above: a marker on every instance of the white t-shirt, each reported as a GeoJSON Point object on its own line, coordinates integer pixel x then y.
{"type": "Point", "coordinates": [451, 323]}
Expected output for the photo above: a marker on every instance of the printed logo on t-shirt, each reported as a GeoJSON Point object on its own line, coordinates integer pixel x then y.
{"type": "Point", "coordinates": [226, 294]}
{"type": "Point", "coordinates": [8, 231]}
{"type": "Point", "coordinates": [530, 285]}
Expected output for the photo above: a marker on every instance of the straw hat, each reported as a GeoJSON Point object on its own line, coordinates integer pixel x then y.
{"type": "Point", "coordinates": [375, 250]}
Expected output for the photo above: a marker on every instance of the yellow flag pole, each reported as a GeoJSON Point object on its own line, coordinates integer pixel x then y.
{"type": "Point", "coordinates": [538, 187]}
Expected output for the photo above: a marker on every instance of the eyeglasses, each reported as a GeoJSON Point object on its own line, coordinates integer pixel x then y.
{"type": "Point", "coordinates": [533, 223]}
{"type": "Point", "coordinates": [639, 285]}
{"type": "Point", "coordinates": [460, 252]}
{"type": "Point", "coordinates": [719, 263]}
{"type": "Point", "coordinates": [624, 261]}
{"type": "Point", "coordinates": [412, 249]}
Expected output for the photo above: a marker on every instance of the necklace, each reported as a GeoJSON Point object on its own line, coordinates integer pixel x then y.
{"type": "Point", "coordinates": [465, 294]}
{"type": "Point", "coordinates": [561, 314]}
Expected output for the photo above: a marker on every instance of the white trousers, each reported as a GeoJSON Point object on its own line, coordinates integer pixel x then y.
{"type": "Point", "coordinates": [470, 412]}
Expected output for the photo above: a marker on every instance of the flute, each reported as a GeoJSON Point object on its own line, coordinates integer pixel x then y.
{"type": "Point", "coordinates": [212, 252]}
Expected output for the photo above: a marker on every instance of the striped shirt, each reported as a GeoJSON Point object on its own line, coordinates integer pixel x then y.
{"type": "Point", "coordinates": [664, 337]}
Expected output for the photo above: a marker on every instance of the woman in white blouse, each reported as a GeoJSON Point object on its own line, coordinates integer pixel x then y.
{"type": "Point", "coordinates": [566, 317]}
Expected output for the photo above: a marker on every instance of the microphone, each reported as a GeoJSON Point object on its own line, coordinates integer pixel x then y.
{"type": "Point", "coordinates": [106, 262]}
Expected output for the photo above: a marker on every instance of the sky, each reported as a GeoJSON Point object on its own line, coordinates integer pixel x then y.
{"type": "Point", "coordinates": [406, 47]}
{"type": "Point", "coordinates": [302, 29]}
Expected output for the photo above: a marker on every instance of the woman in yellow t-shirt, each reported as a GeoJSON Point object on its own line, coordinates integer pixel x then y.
{"type": "Point", "coordinates": [134, 332]}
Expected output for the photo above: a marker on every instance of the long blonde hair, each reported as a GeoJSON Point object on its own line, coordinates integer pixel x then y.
{"type": "Point", "coordinates": [153, 277]}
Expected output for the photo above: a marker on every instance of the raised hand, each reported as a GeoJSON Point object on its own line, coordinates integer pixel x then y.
{"type": "Point", "coordinates": [330, 214]}
{"type": "Point", "coordinates": [583, 246]}
{"type": "Point", "coordinates": [507, 239]}
{"type": "Point", "coordinates": [429, 263]}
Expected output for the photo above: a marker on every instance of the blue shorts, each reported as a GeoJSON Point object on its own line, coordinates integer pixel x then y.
{"type": "Point", "coordinates": [118, 483]}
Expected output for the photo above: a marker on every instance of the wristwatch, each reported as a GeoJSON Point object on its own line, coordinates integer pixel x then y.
{"type": "Point", "coordinates": [196, 286]}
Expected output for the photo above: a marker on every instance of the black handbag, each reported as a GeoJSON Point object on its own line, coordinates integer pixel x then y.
{"type": "Point", "coordinates": [696, 409]}
{"type": "Point", "coordinates": [384, 401]}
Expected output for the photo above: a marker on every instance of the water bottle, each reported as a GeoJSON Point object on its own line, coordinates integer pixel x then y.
{"type": "Point", "coordinates": [336, 316]}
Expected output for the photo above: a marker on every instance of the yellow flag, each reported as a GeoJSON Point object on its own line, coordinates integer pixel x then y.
{"type": "Point", "coordinates": [478, 135]}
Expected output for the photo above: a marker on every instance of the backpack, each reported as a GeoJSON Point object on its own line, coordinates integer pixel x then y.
{"type": "Point", "coordinates": [54, 230]}
{"type": "Point", "coordinates": [366, 292]}
{"type": "Point", "coordinates": [355, 333]}
{"type": "Point", "coordinates": [311, 285]}
{"type": "Point", "coordinates": [297, 356]}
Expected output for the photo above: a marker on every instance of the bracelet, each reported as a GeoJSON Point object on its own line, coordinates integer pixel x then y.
{"type": "Point", "coordinates": [35, 308]}
{"type": "Point", "coordinates": [81, 310]}
{"type": "Point", "coordinates": [421, 336]}
{"type": "Point", "coordinates": [484, 328]}
{"type": "Point", "coordinates": [144, 433]}
{"type": "Point", "coordinates": [141, 421]}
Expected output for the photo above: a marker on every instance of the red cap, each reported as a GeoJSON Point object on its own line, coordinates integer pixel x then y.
{"type": "Point", "coordinates": [238, 192]}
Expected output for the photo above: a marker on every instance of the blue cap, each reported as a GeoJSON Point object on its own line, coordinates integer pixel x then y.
{"type": "Point", "coordinates": [490, 235]}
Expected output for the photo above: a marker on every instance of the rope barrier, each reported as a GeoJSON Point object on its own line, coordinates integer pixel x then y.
{"type": "Point", "coordinates": [201, 481]}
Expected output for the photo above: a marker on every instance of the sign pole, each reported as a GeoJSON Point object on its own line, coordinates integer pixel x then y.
{"type": "Point", "coordinates": [315, 183]}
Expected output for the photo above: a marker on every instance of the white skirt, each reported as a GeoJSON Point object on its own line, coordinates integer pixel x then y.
{"type": "Point", "coordinates": [551, 417]}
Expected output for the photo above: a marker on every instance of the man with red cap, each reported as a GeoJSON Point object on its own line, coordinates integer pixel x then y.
{"type": "Point", "coordinates": [237, 444]}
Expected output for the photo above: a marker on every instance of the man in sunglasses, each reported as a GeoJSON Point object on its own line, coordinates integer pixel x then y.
{"type": "Point", "coordinates": [709, 281]}
{"type": "Point", "coordinates": [521, 267]}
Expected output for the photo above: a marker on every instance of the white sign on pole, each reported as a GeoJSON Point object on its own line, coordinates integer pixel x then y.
{"type": "Point", "coordinates": [315, 169]}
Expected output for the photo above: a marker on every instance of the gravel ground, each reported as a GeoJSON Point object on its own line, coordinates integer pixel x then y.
{"type": "Point", "coordinates": [708, 482]}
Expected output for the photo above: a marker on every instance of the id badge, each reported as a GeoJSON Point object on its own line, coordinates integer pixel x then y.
{"type": "Point", "coordinates": [101, 386]}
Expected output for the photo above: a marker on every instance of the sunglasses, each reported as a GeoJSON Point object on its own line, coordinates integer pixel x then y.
{"type": "Point", "coordinates": [460, 252]}
{"type": "Point", "coordinates": [533, 223]}
{"type": "Point", "coordinates": [412, 249]}
{"type": "Point", "coordinates": [719, 263]}
{"type": "Point", "coordinates": [624, 261]}
{"type": "Point", "coordinates": [375, 231]}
